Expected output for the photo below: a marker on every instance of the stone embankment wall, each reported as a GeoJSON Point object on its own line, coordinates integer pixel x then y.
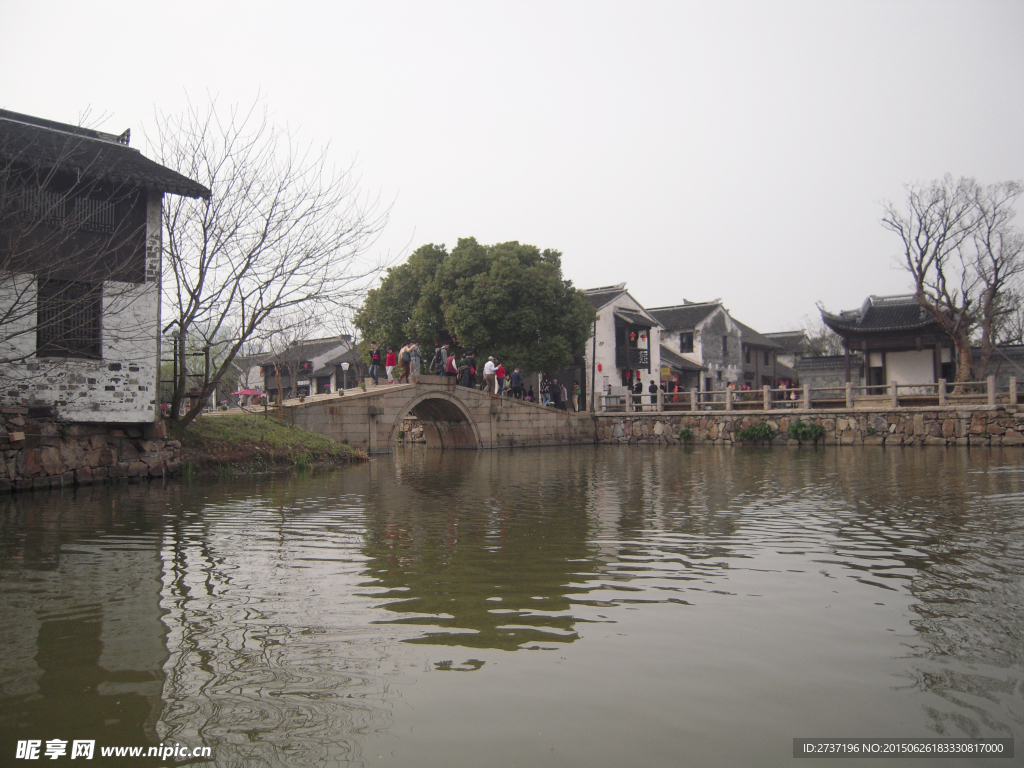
{"type": "Point", "coordinates": [976, 425]}
{"type": "Point", "coordinates": [36, 451]}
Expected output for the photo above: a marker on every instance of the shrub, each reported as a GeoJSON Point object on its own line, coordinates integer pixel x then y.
{"type": "Point", "coordinates": [686, 433]}
{"type": "Point", "coordinates": [756, 433]}
{"type": "Point", "coordinates": [806, 432]}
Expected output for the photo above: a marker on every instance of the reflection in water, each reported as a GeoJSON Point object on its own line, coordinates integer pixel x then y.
{"type": "Point", "coordinates": [668, 594]}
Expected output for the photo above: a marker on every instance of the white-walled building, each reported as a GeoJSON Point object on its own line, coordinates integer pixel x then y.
{"type": "Point", "coordinates": [80, 270]}
{"type": "Point", "coordinates": [627, 342]}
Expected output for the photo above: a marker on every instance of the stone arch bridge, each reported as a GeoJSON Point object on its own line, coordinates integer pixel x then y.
{"type": "Point", "coordinates": [452, 417]}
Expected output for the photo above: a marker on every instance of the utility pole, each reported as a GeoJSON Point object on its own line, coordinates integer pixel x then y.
{"type": "Point", "coordinates": [593, 367]}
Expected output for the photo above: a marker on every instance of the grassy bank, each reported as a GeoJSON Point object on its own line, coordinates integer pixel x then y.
{"type": "Point", "coordinates": [247, 443]}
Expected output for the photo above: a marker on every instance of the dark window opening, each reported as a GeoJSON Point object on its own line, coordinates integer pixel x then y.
{"type": "Point", "coordinates": [746, 354]}
{"type": "Point", "coordinates": [725, 345]}
{"type": "Point", "coordinates": [68, 319]}
{"type": "Point", "coordinates": [686, 342]}
{"type": "Point", "coordinates": [94, 215]}
{"type": "Point", "coordinates": [767, 357]}
{"type": "Point", "coordinates": [43, 205]}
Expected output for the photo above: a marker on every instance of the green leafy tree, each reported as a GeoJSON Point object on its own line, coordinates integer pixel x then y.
{"type": "Point", "coordinates": [399, 309]}
{"type": "Point", "coordinates": [508, 300]}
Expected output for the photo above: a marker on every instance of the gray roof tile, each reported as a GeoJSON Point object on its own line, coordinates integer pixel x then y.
{"type": "Point", "coordinates": [35, 142]}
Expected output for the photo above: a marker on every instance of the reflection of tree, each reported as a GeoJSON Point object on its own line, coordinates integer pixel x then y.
{"type": "Point", "coordinates": [490, 547]}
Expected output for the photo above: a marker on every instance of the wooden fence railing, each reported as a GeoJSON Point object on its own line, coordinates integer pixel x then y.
{"type": "Point", "coordinates": [891, 395]}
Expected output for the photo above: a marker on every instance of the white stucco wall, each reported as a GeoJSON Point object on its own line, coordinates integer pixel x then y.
{"type": "Point", "coordinates": [18, 317]}
{"type": "Point", "coordinates": [910, 367]}
{"type": "Point", "coordinates": [121, 387]}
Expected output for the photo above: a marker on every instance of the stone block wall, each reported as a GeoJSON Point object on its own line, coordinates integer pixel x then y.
{"type": "Point", "coordinates": [978, 425]}
{"type": "Point", "coordinates": [37, 451]}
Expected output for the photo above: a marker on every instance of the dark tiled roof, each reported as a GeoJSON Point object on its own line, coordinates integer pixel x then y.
{"type": "Point", "coordinates": [310, 348]}
{"type": "Point", "coordinates": [749, 336]}
{"type": "Point", "coordinates": [790, 341]}
{"type": "Point", "coordinates": [880, 313]}
{"type": "Point", "coordinates": [350, 356]}
{"type": "Point", "coordinates": [599, 297]}
{"type": "Point", "coordinates": [677, 361]}
{"type": "Point", "coordinates": [684, 317]}
{"type": "Point", "coordinates": [35, 142]}
{"type": "Point", "coordinates": [634, 318]}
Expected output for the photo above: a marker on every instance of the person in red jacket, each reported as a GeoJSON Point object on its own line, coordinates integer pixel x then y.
{"type": "Point", "coordinates": [389, 364]}
{"type": "Point", "coordinates": [499, 375]}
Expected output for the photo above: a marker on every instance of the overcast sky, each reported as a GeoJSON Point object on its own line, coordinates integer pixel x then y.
{"type": "Point", "coordinates": [692, 150]}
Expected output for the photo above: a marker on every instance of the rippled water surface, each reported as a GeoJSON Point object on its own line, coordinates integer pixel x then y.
{"type": "Point", "coordinates": [568, 607]}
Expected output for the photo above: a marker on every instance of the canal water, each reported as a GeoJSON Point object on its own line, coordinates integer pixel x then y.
{"type": "Point", "coordinates": [586, 606]}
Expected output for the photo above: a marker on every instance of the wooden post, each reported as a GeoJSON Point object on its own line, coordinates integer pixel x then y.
{"type": "Point", "coordinates": [991, 390]}
{"type": "Point", "coordinates": [629, 399]}
{"type": "Point", "coordinates": [849, 395]}
{"type": "Point", "coordinates": [942, 391]}
{"type": "Point", "coordinates": [807, 397]}
{"type": "Point", "coordinates": [1013, 390]}
{"type": "Point", "coordinates": [894, 397]}
{"type": "Point", "coordinates": [661, 400]}
{"type": "Point", "coordinates": [693, 399]}
{"type": "Point", "coordinates": [728, 399]}
{"type": "Point", "coordinates": [767, 390]}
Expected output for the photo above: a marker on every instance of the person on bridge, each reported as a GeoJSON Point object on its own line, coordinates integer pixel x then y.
{"type": "Point", "coordinates": [489, 375]}
{"type": "Point", "coordinates": [390, 361]}
{"type": "Point", "coordinates": [374, 362]}
{"type": "Point", "coordinates": [555, 394]}
{"type": "Point", "coordinates": [516, 382]}
{"type": "Point", "coordinates": [440, 360]}
{"type": "Point", "coordinates": [405, 359]}
{"type": "Point", "coordinates": [499, 376]}
{"type": "Point", "coordinates": [450, 369]}
{"type": "Point", "coordinates": [415, 361]}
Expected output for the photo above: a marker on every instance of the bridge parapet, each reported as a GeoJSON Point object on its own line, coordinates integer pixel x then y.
{"type": "Point", "coordinates": [452, 417]}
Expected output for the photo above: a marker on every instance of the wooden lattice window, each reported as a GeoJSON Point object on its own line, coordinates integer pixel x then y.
{"type": "Point", "coordinates": [43, 205]}
{"type": "Point", "coordinates": [68, 322]}
{"type": "Point", "coordinates": [94, 215]}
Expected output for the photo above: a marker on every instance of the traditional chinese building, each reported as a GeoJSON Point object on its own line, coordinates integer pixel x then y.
{"type": "Point", "coordinates": [898, 340]}
{"type": "Point", "coordinates": [80, 267]}
{"type": "Point", "coordinates": [626, 343]}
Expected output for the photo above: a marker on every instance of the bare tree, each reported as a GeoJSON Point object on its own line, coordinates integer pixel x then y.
{"type": "Point", "coordinates": [72, 244]}
{"type": "Point", "coordinates": [282, 235]}
{"type": "Point", "coordinates": [996, 256]}
{"type": "Point", "coordinates": [964, 257]}
{"type": "Point", "coordinates": [820, 340]}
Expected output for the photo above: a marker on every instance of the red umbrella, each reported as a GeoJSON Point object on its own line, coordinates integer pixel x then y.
{"type": "Point", "coordinates": [251, 392]}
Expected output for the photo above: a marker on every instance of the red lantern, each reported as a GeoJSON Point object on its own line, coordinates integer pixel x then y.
{"type": "Point", "coordinates": [600, 367]}
{"type": "Point", "coordinates": [632, 335]}
{"type": "Point", "coordinates": [643, 337]}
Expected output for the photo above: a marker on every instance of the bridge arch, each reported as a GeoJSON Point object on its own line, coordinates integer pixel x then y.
{"type": "Point", "coordinates": [446, 421]}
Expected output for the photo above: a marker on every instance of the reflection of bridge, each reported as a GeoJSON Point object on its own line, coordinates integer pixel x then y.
{"type": "Point", "coordinates": [452, 417]}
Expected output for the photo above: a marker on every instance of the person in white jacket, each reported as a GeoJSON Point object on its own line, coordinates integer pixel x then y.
{"type": "Point", "coordinates": [489, 368]}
